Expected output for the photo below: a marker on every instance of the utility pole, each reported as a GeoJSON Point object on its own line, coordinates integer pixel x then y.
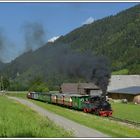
{"type": "Point", "coordinates": [1, 83]}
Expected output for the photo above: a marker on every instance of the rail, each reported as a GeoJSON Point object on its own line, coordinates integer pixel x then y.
{"type": "Point", "coordinates": [125, 121]}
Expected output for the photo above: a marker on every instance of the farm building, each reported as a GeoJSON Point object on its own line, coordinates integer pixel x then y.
{"type": "Point", "coordinates": [132, 94]}
{"type": "Point", "coordinates": [80, 88]}
{"type": "Point", "coordinates": [123, 81]}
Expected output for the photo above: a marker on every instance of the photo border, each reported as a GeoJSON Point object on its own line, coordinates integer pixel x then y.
{"type": "Point", "coordinates": [70, 1]}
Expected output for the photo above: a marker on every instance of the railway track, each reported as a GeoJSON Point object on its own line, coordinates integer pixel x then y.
{"type": "Point", "coordinates": [125, 121]}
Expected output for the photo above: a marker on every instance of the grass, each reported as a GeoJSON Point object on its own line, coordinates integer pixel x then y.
{"type": "Point", "coordinates": [102, 124]}
{"type": "Point", "coordinates": [17, 120]}
{"type": "Point", "coordinates": [126, 111]}
{"type": "Point", "coordinates": [17, 93]}
{"type": "Point", "coordinates": [121, 72]}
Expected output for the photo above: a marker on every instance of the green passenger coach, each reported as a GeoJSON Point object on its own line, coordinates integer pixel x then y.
{"type": "Point", "coordinates": [48, 97]}
{"type": "Point", "coordinates": [77, 101]}
{"type": "Point", "coordinates": [42, 96]}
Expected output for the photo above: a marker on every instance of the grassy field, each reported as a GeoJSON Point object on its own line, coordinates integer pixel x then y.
{"type": "Point", "coordinates": [17, 120]}
{"type": "Point", "coordinates": [102, 124]}
{"type": "Point", "coordinates": [126, 111]}
{"type": "Point", "coordinates": [21, 94]}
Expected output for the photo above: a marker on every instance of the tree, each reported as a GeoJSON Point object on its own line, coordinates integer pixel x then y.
{"type": "Point", "coordinates": [41, 87]}
{"type": "Point", "coordinates": [4, 82]}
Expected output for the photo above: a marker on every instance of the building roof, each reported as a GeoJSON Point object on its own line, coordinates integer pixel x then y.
{"type": "Point", "coordinates": [123, 81]}
{"type": "Point", "coordinates": [134, 90]}
{"type": "Point", "coordinates": [71, 88]}
{"type": "Point", "coordinates": [88, 86]}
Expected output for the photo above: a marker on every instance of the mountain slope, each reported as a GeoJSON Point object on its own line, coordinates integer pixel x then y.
{"type": "Point", "coordinates": [117, 37]}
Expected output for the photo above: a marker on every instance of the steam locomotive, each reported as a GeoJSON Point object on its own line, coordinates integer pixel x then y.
{"type": "Point", "coordinates": [89, 104]}
{"type": "Point", "coordinates": [98, 106]}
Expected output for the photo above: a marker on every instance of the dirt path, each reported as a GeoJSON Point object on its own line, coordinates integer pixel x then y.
{"type": "Point", "coordinates": [78, 129]}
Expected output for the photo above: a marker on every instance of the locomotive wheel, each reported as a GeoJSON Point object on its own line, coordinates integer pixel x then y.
{"type": "Point", "coordinates": [85, 110]}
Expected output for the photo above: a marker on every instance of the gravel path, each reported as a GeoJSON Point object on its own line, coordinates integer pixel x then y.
{"type": "Point", "coordinates": [78, 129]}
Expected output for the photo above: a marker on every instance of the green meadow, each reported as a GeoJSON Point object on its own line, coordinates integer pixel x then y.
{"type": "Point", "coordinates": [102, 124]}
{"type": "Point", "coordinates": [17, 120]}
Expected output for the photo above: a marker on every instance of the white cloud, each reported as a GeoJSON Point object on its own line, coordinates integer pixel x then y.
{"type": "Point", "coordinates": [53, 39]}
{"type": "Point", "coordinates": [89, 20]}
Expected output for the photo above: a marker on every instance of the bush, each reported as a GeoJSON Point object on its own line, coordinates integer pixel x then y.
{"type": "Point", "coordinates": [39, 87]}
{"type": "Point", "coordinates": [17, 86]}
{"type": "Point", "coordinates": [134, 69]}
{"type": "Point", "coordinates": [121, 72]}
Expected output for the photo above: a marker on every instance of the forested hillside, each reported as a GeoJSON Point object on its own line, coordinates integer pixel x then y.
{"type": "Point", "coordinates": [116, 36]}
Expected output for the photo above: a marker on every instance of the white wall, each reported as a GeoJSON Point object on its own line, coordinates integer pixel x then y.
{"type": "Point", "coordinates": [95, 92]}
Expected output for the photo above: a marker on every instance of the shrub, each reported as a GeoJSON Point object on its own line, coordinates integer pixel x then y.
{"type": "Point", "coordinates": [39, 87]}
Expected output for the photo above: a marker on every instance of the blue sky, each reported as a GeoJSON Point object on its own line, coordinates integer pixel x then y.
{"type": "Point", "coordinates": [56, 18]}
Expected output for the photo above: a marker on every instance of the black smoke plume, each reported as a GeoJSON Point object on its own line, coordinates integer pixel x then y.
{"type": "Point", "coordinates": [34, 36]}
{"type": "Point", "coordinates": [86, 65]}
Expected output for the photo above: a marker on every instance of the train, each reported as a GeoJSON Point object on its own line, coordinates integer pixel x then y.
{"type": "Point", "coordinates": [86, 103]}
